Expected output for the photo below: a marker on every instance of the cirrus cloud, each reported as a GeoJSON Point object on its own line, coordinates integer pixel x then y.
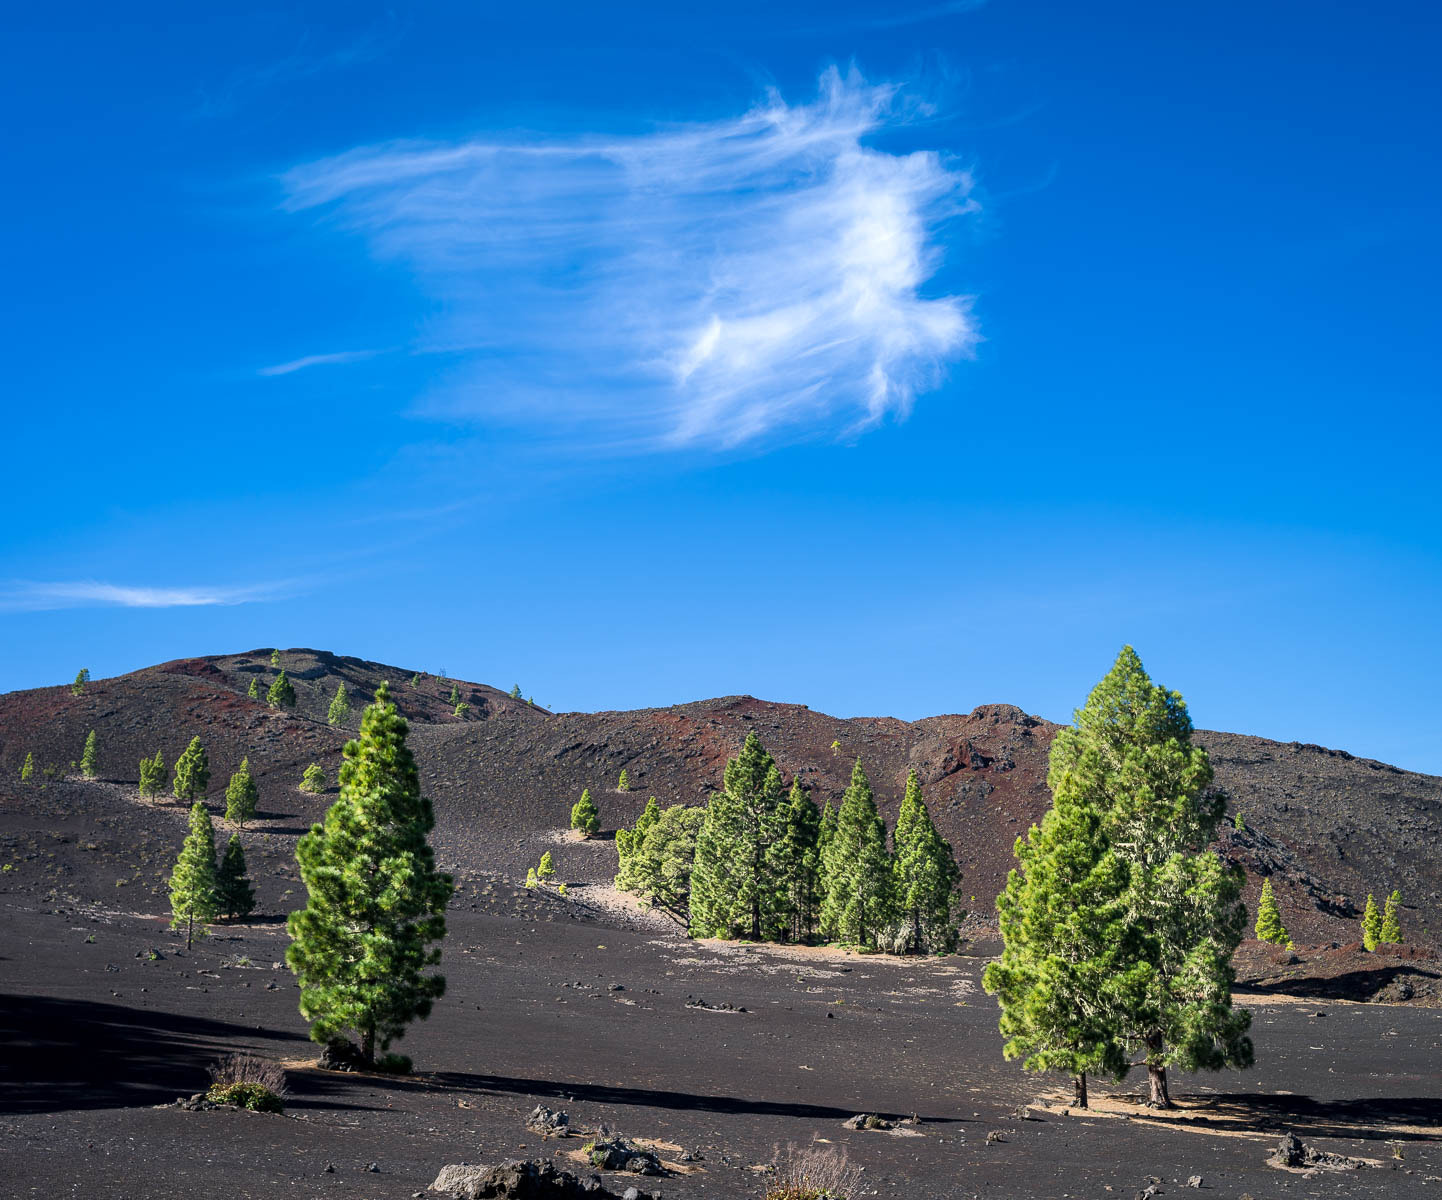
{"type": "Point", "coordinates": [702, 285]}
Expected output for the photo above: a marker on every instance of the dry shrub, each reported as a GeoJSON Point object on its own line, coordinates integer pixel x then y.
{"type": "Point", "coordinates": [249, 1068]}
{"type": "Point", "coordinates": [815, 1173]}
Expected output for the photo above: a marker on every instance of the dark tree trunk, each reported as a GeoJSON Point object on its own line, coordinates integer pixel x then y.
{"type": "Point", "coordinates": [1079, 1087]}
{"type": "Point", "coordinates": [189, 930]}
{"type": "Point", "coordinates": [369, 1046]}
{"type": "Point", "coordinates": [1157, 1078]}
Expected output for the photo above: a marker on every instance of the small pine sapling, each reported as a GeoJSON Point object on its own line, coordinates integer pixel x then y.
{"type": "Point", "coordinates": [254, 690]}
{"type": "Point", "coordinates": [624, 783]}
{"type": "Point", "coordinates": [585, 816]}
{"type": "Point", "coordinates": [1391, 931]}
{"type": "Point", "coordinates": [547, 869]}
{"type": "Point", "coordinates": [281, 693]}
{"type": "Point", "coordinates": [89, 757]}
{"type": "Point", "coordinates": [339, 712]}
{"type": "Point", "coordinates": [531, 880]}
{"type": "Point", "coordinates": [81, 679]}
{"type": "Point", "coordinates": [455, 695]}
{"type": "Point", "coordinates": [313, 780]}
{"type": "Point", "coordinates": [27, 768]}
{"type": "Point", "coordinates": [1269, 926]}
{"type": "Point", "coordinates": [516, 692]}
{"type": "Point", "coordinates": [241, 795]}
{"type": "Point", "coordinates": [275, 658]}
{"type": "Point", "coordinates": [461, 709]}
{"type": "Point", "coordinates": [1371, 924]}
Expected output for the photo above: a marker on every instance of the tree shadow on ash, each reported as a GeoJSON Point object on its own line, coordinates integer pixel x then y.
{"type": "Point", "coordinates": [81, 1054]}
{"type": "Point", "coordinates": [1353, 985]}
{"type": "Point", "coordinates": [1372, 1119]}
{"type": "Point", "coordinates": [599, 1093]}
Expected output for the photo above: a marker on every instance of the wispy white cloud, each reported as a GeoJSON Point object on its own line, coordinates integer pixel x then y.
{"type": "Point", "coordinates": [706, 284]}
{"type": "Point", "coordinates": [29, 596]}
{"type": "Point", "coordinates": [318, 360]}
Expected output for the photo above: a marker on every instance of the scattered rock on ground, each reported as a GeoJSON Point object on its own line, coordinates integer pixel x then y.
{"type": "Point", "coordinates": [548, 1122]}
{"type": "Point", "coordinates": [617, 1154]}
{"type": "Point", "coordinates": [868, 1121]}
{"type": "Point", "coordinates": [1292, 1151]}
{"type": "Point", "coordinates": [524, 1180]}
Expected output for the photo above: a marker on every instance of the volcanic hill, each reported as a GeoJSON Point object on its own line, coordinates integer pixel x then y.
{"type": "Point", "coordinates": [1327, 827]}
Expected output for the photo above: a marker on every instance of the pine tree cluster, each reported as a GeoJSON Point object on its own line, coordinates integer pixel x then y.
{"type": "Point", "coordinates": [760, 861]}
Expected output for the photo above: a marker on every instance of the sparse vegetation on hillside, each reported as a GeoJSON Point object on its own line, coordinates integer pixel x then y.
{"type": "Point", "coordinates": [275, 658]}
{"type": "Point", "coordinates": [515, 692]}
{"type": "Point", "coordinates": [373, 895]}
{"type": "Point", "coordinates": [27, 768]}
{"type": "Point", "coordinates": [81, 679]}
{"type": "Point", "coordinates": [312, 780]}
{"type": "Point", "coordinates": [254, 690]}
{"type": "Point", "coordinates": [624, 783]}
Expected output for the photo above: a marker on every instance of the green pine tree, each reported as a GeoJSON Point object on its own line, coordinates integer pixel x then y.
{"type": "Point", "coordinates": [926, 875]}
{"type": "Point", "coordinates": [254, 690]}
{"type": "Point", "coordinates": [339, 712]}
{"type": "Point", "coordinates": [416, 680]}
{"type": "Point", "coordinates": [629, 840]}
{"type": "Point", "coordinates": [89, 757]}
{"type": "Point", "coordinates": [547, 869]}
{"type": "Point", "coordinates": [1371, 925]}
{"type": "Point", "coordinates": [312, 779]}
{"type": "Point", "coordinates": [455, 695]}
{"type": "Point", "coordinates": [1391, 931]}
{"type": "Point", "coordinates": [192, 883]}
{"type": "Point", "coordinates": [192, 772]}
{"type": "Point", "coordinates": [585, 816]}
{"type": "Point", "coordinates": [796, 860]}
{"type": "Point", "coordinates": [1063, 923]}
{"type": "Point", "coordinates": [153, 775]}
{"type": "Point", "coordinates": [27, 768]}
{"type": "Point", "coordinates": [234, 895]}
{"type": "Point", "coordinates": [735, 891]}
{"type": "Point", "coordinates": [1238, 824]}
{"type": "Point", "coordinates": [275, 658]}
{"type": "Point", "coordinates": [376, 902]}
{"type": "Point", "coordinates": [281, 693]}
{"type": "Point", "coordinates": [825, 834]}
{"type": "Point", "coordinates": [516, 692]}
{"type": "Point", "coordinates": [859, 900]}
{"type": "Point", "coordinates": [241, 795]}
{"type": "Point", "coordinates": [624, 783]}
{"type": "Point", "coordinates": [1269, 927]}
{"type": "Point", "coordinates": [660, 868]}
{"type": "Point", "coordinates": [1130, 754]}
{"type": "Point", "coordinates": [81, 679]}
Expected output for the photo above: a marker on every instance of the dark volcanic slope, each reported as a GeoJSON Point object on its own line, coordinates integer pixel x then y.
{"type": "Point", "coordinates": [1326, 826]}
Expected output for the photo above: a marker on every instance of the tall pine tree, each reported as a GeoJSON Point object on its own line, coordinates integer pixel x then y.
{"type": "Point", "coordinates": [234, 895]}
{"type": "Point", "coordinates": [926, 875]}
{"type": "Point", "coordinates": [1130, 755]}
{"type": "Point", "coordinates": [628, 841]}
{"type": "Point", "coordinates": [734, 889]}
{"type": "Point", "coordinates": [192, 883]}
{"type": "Point", "coordinates": [1063, 924]}
{"type": "Point", "coordinates": [241, 795]}
{"type": "Point", "coordinates": [90, 757]}
{"type": "Point", "coordinates": [153, 775]}
{"type": "Point", "coordinates": [376, 902]}
{"type": "Point", "coordinates": [585, 816]}
{"type": "Point", "coordinates": [859, 900]}
{"type": "Point", "coordinates": [796, 858]}
{"type": "Point", "coordinates": [192, 772]}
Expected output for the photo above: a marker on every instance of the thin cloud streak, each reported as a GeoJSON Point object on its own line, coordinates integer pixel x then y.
{"type": "Point", "coordinates": [317, 360]}
{"type": "Point", "coordinates": [704, 285]}
{"type": "Point", "coordinates": [46, 597]}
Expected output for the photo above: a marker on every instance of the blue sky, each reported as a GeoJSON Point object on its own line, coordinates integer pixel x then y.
{"type": "Point", "coordinates": [884, 359]}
